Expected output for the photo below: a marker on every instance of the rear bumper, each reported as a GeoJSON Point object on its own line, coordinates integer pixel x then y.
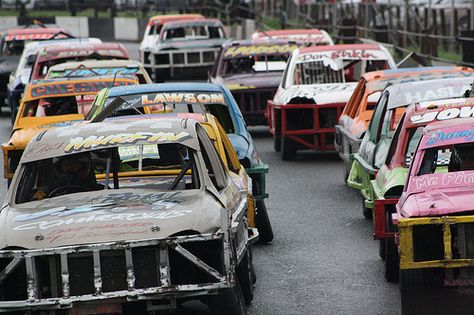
{"type": "Point", "coordinates": [309, 125]}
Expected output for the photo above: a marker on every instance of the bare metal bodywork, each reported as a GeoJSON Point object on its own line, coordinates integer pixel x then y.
{"type": "Point", "coordinates": [121, 245]}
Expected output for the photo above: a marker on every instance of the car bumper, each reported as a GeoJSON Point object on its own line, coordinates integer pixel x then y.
{"type": "Point", "coordinates": [346, 144]}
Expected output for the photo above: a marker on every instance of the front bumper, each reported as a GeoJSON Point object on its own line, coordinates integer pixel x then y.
{"type": "Point", "coordinates": [253, 103]}
{"type": "Point", "coordinates": [179, 60]}
{"type": "Point", "coordinates": [171, 268]}
{"type": "Point", "coordinates": [346, 143]}
{"type": "Point", "coordinates": [309, 125]}
{"type": "Point", "coordinates": [438, 242]}
{"type": "Point", "coordinates": [258, 175]}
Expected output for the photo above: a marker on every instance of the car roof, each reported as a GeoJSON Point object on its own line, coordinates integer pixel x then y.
{"type": "Point", "coordinates": [460, 123]}
{"type": "Point", "coordinates": [258, 42]}
{"type": "Point", "coordinates": [199, 21]}
{"type": "Point", "coordinates": [112, 133]}
{"type": "Point", "coordinates": [63, 41]}
{"type": "Point", "coordinates": [34, 30]}
{"type": "Point", "coordinates": [403, 94]}
{"type": "Point", "coordinates": [72, 86]}
{"type": "Point", "coordinates": [339, 47]}
{"type": "Point", "coordinates": [53, 51]}
{"type": "Point", "coordinates": [96, 63]}
{"type": "Point", "coordinates": [290, 32]}
{"type": "Point", "coordinates": [378, 80]}
{"type": "Point", "coordinates": [160, 19]}
{"type": "Point", "coordinates": [165, 87]}
{"type": "Point", "coordinates": [448, 132]}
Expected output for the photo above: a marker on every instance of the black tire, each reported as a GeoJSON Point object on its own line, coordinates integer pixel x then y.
{"type": "Point", "coordinates": [262, 222]}
{"type": "Point", "coordinates": [392, 261]}
{"type": "Point", "coordinates": [288, 149]}
{"type": "Point", "coordinates": [229, 301]}
{"type": "Point", "coordinates": [244, 274]}
{"type": "Point", "coordinates": [345, 171]}
{"type": "Point", "coordinates": [382, 249]}
{"type": "Point", "coordinates": [366, 212]}
{"type": "Point", "coordinates": [411, 283]}
{"type": "Point", "coordinates": [277, 142]}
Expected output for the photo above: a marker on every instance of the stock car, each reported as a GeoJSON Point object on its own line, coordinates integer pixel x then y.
{"type": "Point", "coordinates": [395, 99]}
{"type": "Point", "coordinates": [51, 103]}
{"type": "Point", "coordinates": [21, 75]}
{"type": "Point", "coordinates": [317, 84]}
{"type": "Point", "coordinates": [310, 37]}
{"type": "Point", "coordinates": [124, 217]}
{"type": "Point", "coordinates": [194, 98]}
{"type": "Point", "coordinates": [52, 55]}
{"type": "Point", "coordinates": [98, 68]}
{"type": "Point", "coordinates": [391, 178]}
{"type": "Point", "coordinates": [252, 70]}
{"type": "Point", "coordinates": [181, 46]}
{"type": "Point", "coordinates": [12, 43]}
{"type": "Point", "coordinates": [434, 220]}
{"type": "Point", "coordinates": [356, 115]}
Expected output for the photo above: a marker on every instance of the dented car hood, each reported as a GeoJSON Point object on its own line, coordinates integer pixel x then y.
{"type": "Point", "coordinates": [20, 137]}
{"type": "Point", "coordinates": [107, 216]}
{"type": "Point", "coordinates": [319, 93]}
{"type": "Point", "coordinates": [438, 202]}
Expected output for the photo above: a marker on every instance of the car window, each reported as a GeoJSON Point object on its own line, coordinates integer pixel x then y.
{"type": "Point", "coordinates": [453, 158]}
{"type": "Point", "coordinates": [215, 167]}
{"type": "Point", "coordinates": [393, 145]}
{"type": "Point", "coordinates": [169, 166]}
{"type": "Point", "coordinates": [376, 122]}
{"type": "Point", "coordinates": [355, 99]}
{"type": "Point", "coordinates": [414, 136]}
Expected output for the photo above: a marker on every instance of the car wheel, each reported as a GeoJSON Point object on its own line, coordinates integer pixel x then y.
{"type": "Point", "coordinates": [411, 282]}
{"type": "Point", "coordinates": [382, 249]}
{"type": "Point", "coordinates": [244, 274]}
{"type": "Point", "coordinates": [392, 263]}
{"type": "Point", "coordinates": [345, 171]}
{"type": "Point", "coordinates": [229, 301]}
{"type": "Point", "coordinates": [262, 221]}
{"type": "Point", "coordinates": [366, 212]}
{"type": "Point", "coordinates": [288, 149]}
{"type": "Point", "coordinates": [277, 142]}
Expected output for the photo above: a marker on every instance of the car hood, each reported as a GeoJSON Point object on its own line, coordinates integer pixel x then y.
{"type": "Point", "coordinates": [20, 137]}
{"type": "Point", "coordinates": [319, 93]}
{"type": "Point", "coordinates": [251, 81]}
{"type": "Point", "coordinates": [438, 202]}
{"type": "Point", "coordinates": [107, 216]}
{"type": "Point", "coordinates": [8, 64]}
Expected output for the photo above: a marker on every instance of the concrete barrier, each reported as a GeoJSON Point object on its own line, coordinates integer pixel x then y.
{"type": "Point", "coordinates": [77, 25]}
{"type": "Point", "coordinates": [8, 22]}
{"type": "Point", "coordinates": [126, 29]}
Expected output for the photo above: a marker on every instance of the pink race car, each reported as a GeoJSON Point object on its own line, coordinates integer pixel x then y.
{"type": "Point", "coordinates": [435, 221]}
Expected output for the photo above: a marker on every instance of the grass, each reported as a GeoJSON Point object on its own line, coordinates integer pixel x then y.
{"type": "Point", "coordinates": [87, 13]}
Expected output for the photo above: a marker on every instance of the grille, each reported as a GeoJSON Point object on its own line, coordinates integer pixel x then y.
{"type": "Point", "coordinates": [146, 56]}
{"type": "Point", "coordinates": [428, 242]}
{"type": "Point", "coordinates": [162, 59]}
{"type": "Point", "coordinates": [78, 273]}
{"type": "Point", "coordinates": [252, 103]}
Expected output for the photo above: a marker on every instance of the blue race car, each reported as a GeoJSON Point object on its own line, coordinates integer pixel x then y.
{"type": "Point", "coordinates": [199, 98]}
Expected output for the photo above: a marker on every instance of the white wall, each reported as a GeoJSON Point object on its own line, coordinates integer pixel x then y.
{"type": "Point", "coordinates": [126, 28]}
{"type": "Point", "coordinates": [77, 25]}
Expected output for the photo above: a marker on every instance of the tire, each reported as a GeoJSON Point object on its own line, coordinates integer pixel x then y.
{"type": "Point", "coordinates": [277, 142]}
{"type": "Point", "coordinates": [392, 262]}
{"type": "Point", "coordinates": [229, 301]}
{"type": "Point", "coordinates": [345, 171]}
{"type": "Point", "coordinates": [262, 222]}
{"type": "Point", "coordinates": [244, 274]}
{"type": "Point", "coordinates": [288, 149]}
{"type": "Point", "coordinates": [366, 212]}
{"type": "Point", "coordinates": [411, 283]}
{"type": "Point", "coordinates": [382, 249]}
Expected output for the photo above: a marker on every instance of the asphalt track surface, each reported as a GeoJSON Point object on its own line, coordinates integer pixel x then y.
{"type": "Point", "coordinates": [323, 259]}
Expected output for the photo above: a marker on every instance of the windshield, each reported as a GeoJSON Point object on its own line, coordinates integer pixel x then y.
{"type": "Point", "coordinates": [193, 32]}
{"type": "Point", "coordinates": [55, 106]}
{"type": "Point", "coordinates": [12, 48]}
{"type": "Point", "coordinates": [161, 103]}
{"type": "Point", "coordinates": [162, 167]}
{"type": "Point", "coordinates": [334, 71]}
{"type": "Point", "coordinates": [453, 158]}
{"type": "Point", "coordinates": [254, 64]}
